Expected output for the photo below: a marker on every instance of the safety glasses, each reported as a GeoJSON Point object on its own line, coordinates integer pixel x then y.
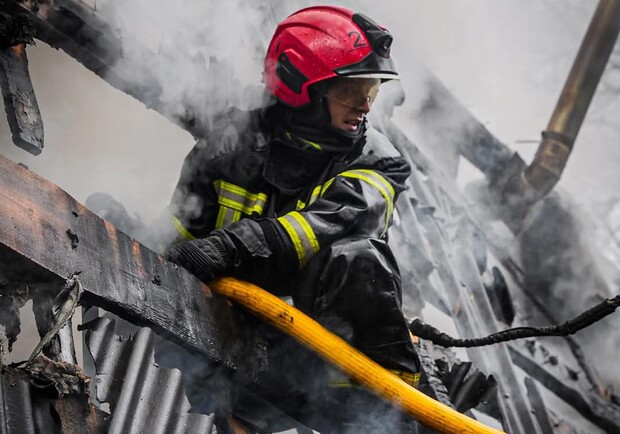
{"type": "Point", "coordinates": [354, 92]}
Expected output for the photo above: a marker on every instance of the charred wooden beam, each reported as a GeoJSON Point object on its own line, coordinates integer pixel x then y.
{"type": "Point", "coordinates": [13, 296]}
{"type": "Point", "coordinates": [590, 405]}
{"type": "Point", "coordinates": [117, 273]}
{"type": "Point", "coordinates": [73, 27]}
{"type": "Point", "coordinates": [20, 102]}
{"type": "Point", "coordinates": [538, 405]}
{"type": "Point", "coordinates": [77, 29]}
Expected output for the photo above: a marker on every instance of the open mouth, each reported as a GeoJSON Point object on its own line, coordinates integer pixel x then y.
{"type": "Point", "coordinates": [353, 123]}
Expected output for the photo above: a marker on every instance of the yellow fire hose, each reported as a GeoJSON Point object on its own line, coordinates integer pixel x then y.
{"type": "Point", "coordinates": [422, 408]}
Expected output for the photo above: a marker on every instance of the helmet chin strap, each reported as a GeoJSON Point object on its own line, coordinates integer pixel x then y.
{"type": "Point", "coordinates": [313, 123]}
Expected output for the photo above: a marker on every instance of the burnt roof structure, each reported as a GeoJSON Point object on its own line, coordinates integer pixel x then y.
{"type": "Point", "coordinates": [463, 264]}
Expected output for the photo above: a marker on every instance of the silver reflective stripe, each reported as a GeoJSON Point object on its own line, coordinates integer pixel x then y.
{"type": "Point", "coordinates": [301, 234]}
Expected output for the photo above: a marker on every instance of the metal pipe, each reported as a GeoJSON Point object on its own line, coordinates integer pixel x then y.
{"type": "Point", "coordinates": [558, 139]}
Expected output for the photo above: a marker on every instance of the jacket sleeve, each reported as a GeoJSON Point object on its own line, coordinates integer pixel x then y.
{"type": "Point", "coordinates": [194, 206]}
{"type": "Point", "coordinates": [357, 202]}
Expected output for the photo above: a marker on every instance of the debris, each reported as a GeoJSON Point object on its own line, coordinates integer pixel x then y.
{"type": "Point", "coordinates": [13, 296]}
{"type": "Point", "coordinates": [72, 291]}
{"type": "Point", "coordinates": [49, 396]}
{"type": "Point", "coordinates": [15, 29]}
{"type": "Point", "coordinates": [65, 378]}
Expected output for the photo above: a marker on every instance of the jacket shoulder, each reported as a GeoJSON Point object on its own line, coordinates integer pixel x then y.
{"type": "Point", "coordinates": [379, 145]}
{"type": "Point", "coordinates": [380, 154]}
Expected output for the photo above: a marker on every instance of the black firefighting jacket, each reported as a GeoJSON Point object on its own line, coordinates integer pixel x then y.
{"type": "Point", "coordinates": [281, 199]}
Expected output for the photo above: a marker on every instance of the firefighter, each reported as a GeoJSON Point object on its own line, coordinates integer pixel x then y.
{"type": "Point", "coordinates": [297, 196]}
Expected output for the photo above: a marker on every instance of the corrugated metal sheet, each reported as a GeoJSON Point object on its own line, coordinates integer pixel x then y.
{"type": "Point", "coordinates": [18, 411]}
{"type": "Point", "coordinates": [433, 238]}
{"type": "Point", "coordinates": [47, 397]}
{"type": "Point", "coordinates": [435, 235]}
{"type": "Point", "coordinates": [143, 398]}
{"type": "Point", "coordinates": [442, 228]}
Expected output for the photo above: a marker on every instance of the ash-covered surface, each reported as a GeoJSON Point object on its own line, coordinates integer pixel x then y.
{"type": "Point", "coordinates": [48, 397]}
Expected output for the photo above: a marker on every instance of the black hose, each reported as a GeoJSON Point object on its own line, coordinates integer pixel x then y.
{"type": "Point", "coordinates": [590, 316]}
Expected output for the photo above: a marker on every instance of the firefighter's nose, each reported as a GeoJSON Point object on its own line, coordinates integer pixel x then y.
{"type": "Point", "coordinates": [365, 108]}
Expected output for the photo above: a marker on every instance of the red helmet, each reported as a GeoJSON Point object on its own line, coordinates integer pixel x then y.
{"type": "Point", "coordinates": [322, 42]}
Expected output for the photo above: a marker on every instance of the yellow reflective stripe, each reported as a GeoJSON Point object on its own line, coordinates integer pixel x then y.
{"type": "Point", "coordinates": [326, 186]}
{"type": "Point", "coordinates": [413, 379]}
{"type": "Point", "coordinates": [300, 205]}
{"type": "Point", "coordinates": [261, 197]}
{"type": "Point", "coordinates": [236, 216]}
{"type": "Point", "coordinates": [225, 216]}
{"type": "Point", "coordinates": [313, 144]}
{"type": "Point", "coordinates": [181, 229]}
{"type": "Point", "coordinates": [238, 198]}
{"type": "Point", "coordinates": [301, 234]}
{"type": "Point", "coordinates": [292, 233]}
{"type": "Point", "coordinates": [381, 179]}
{"type": "Point", "coordinates": [310, 236]}
{"type": "Point", "coordinates": [372, 178]}
{"type": "Point", "coordinates": [315, 193]}
{"type": "Point", "coordinates": [319, 190]}
{"type": "Point", "coordinates": [248, 206]}
{"type": "Point", "coordinates": [238, 206]}
{"type": "Point", "coordinates": [343, 384]}
{"type": "Point", "coordinates": [221, 218]}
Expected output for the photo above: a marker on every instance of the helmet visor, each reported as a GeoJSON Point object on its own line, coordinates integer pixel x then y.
{"type": "Point", "coordinates": [354, 91]}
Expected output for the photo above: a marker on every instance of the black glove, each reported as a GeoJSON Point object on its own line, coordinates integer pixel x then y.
{"type": "Point", "coordinates": [206, 258]}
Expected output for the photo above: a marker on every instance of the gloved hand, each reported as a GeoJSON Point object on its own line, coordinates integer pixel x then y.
{"type": "Point", "coordinates": [205, 258]}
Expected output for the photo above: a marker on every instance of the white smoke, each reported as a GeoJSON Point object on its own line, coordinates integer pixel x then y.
{"type": "Point", "coordinates": [506, 61]}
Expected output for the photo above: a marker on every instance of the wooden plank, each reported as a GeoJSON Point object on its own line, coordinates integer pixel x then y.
{"type": "Point", "coordinates": [20, 102]}
{"type": "Point", "coordinates": [41, 224]}
{"type": "Point", "coordinates": [78, 30]}
{"type": "Point", "coordinates": [46, 234]}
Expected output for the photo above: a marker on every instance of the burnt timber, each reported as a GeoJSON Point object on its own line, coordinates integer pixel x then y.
{"type": "Point", "coordinates": [20, 102]}
{"type": "Point", "coordinates": [117, 272]}
{"type": "Point", "coordinates": [76, 29]}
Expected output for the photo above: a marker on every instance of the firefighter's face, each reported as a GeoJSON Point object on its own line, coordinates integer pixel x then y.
{"type": "Point", "coordinates": [349, 100]}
